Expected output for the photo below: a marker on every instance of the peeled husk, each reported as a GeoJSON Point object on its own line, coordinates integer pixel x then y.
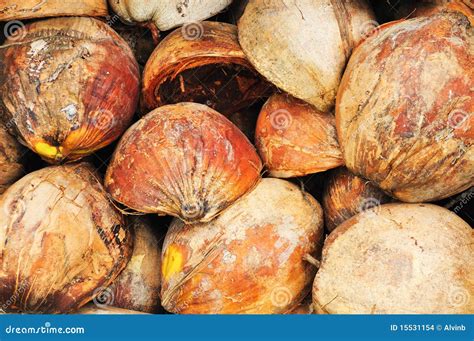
{"type": "Point", "coordinates": [184, 160]}
{"type": "Point", "coordinates": [138, 285]}
{"type": "Point", "coordinates": [398, 259]}
{"type": "Point", "coordinates": [167, 14]}
{"type": "Point", "coordinates": [346, 195]}
{"type": "Point", "coordinates": [61, 241]}
{"type": "Point", "coordinates": [205, 66]}
{"type": "Point", "coordinates": [92, 309]}
{"type": "Point", "coordinates": [11, 166]}
{"type": "Point", "coordinates": [70, 85]}
{"type": "Point", "coordinates": [302, 46]}
{"type": "Point", "coordinates": [405, 108]}
{"type": "Point", "coordinates": [295, 139]}
{"type": "Point", "coordinates": [29, 9]}
{"type": "Point", "coordinates": [250, 259]}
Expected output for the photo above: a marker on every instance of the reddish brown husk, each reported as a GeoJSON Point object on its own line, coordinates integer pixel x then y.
{"type": "Point", "coordinates": [28, 9]}
{"type": "Point", "coordinates": [11, 152]}
{"type": "Point", "coordinates": [404, 110]}
{"type": "Point", "coordinates": [185, 160]}
{"type": "Point", "coordinates": [62, 241]}
{"type": "Point", "coordinates": [250, 259]}
{"type": "Point", "coordinates": [69, 84]}
{"type": "Point", "coordinates": [295, 139]}
{"type": "Point", "coordinates": [138, 285]}
{"type": "Point", "coordinates": [346, 195]}
{"type": "Point", "coordinates": [398, 259]}
{"type": "Point", "coordinates": [210, 69]}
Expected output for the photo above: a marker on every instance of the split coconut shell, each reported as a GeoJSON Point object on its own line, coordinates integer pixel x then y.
{"type": "Point", "coordinates": [250, 259]}
{"type": "Point", "coordinates": [11, 166]}
{"type": "Point", "coordinates": [61, 241]}
{"type": "Point", "coordinates": [295, 139]}
{"type": "Point", "coordinates": [205, 66]}
{"type": "Point", "coordinates": [346, 195]}
{"type": "Point", "coordinates": [70, 85]}
{"type": "Point", "coordinates": [302, 46]}
{"type": "Point", "coordinates": [167, 14]}
{"type": "Point", "coordinates": [184, 160]}
{"type": "Point", "coordinates": [405, 108]}
{"type": "Point", "coordinates": [29, 9]}
{"type": "Point", "coordinates": [398, 259]}
{"type": "Point", "coordinates": [138, 285]}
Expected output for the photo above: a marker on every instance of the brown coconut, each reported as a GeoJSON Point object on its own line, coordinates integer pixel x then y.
{"type": "Point", "coordinates": [405, 108]}
{"type": "Point", "coordinates": [11, 10]}
{"type": "Point", "coordinates": [184, 160]}
{"type": "Point", "coordinates": [70, 85]}
{"type": "Point", "coordinates": [61, 241]}
{"type": "Point", "coordinates": [302, 46]}
{"type": "Point", "coordinates": [205, 65]}
{"type": "Point", "coordinates": [167, 14]}
{"type": "Point", "coordinates": [11, 164]}
{"type": "Point", "coordinates": [138, 285]}
{"type": "Point", "coordinates": [413, 9]}
{"type": "Point", "coordinates": [295, 139]}
{"type": "Point", "coordinates": [346, 195]}
{"type": "Point", "coordinates": [398, 259]}
{"type": "Point", "coordinates": [250, 259]}
{"type": "Point", "coordinates": [92, 309]}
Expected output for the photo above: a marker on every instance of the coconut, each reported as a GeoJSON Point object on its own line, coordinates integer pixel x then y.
{"type": "Point", "coordinates": [295, 139]}
{"type": "Point", "coordinates": [398, 259]}
{"type": "Point", "coordinates": [167, 14]}
{"type": "Point", "coordinates": [250, 259]}
{"type": "Point", "coordinates": [430, 7]}
{"type": "Point", "coordinates": [15, 10]}
{"type": "Point", "coordinates": [11, 165]}
{"type": "Point", "coordinates": [184, 160]}
{"type": "Point", "coordinates": [91, 309]}
{"type": "Point", "coordinates": [346, 195]}
{"type": "Point", "coordinates": [61, 241]}
{"type": "Point", "coordinates": [205, 65]}
{"type": "Point", "coordinates": [302, 46]}
{"type": "Point", "coordinates": [69, 85]}
{"type": "Point", "coordinates": [138, 285]}
{"type": "Point", "coordinates": [405, 107]}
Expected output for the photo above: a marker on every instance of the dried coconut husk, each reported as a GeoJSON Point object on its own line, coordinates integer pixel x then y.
{"type": "Point", "coordinates": [92, 309]}
{"type": "Point", "coordinates": [205, 65]}
{"type": "Point", "coordinates": [295, 139]}
{"type": "Point", "coordinates": [398, 259]}
{"type": "Point", "coordinates": [251, 259]}
{"type": "Point", "coordinates": [61, 241]}
{"type": "Point", "coordinates": [11, 163]}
